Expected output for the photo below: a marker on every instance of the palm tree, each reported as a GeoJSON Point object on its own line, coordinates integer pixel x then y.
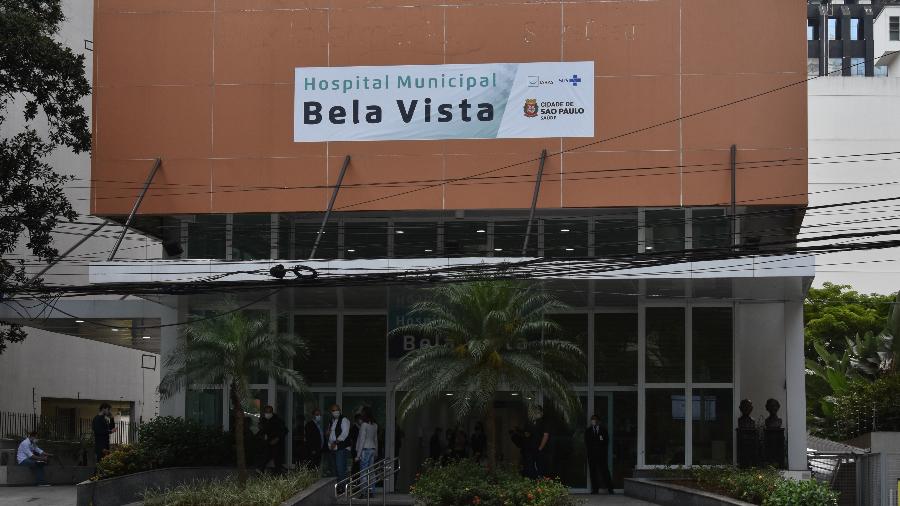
{"type": "Point", "coordinates": [491, 335]}
{"type": "Point", "coordinates": [229, 350]}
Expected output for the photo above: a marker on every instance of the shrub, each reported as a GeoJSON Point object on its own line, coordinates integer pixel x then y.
{"type": "Point", "coordinates": [807, 492]}
{"type": "Point", "coordinates": [260, 490]}
{"type": "Point", "coordinates": [750, 485]}
{"type": "Point", "coordinates": [174, 442]}
{"type": "Point", "coordinates": [124, 459]}
{"type": "Point", "coordinates": [467, 483]}
{"type": "Point", "coordinates": [865, 405]}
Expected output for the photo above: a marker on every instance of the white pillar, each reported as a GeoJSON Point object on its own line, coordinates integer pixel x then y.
{"type": "Point", "coordinates": [795, 379]}
{"type": "Point", "coordinates": [168, 340]}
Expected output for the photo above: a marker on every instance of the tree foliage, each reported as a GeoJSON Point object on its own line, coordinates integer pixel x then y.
{"type": "Point", "coordinates": [492, 335]}
{"type": "Point", "coordinates": [835, 313]}
{"type": "Point", "coordinates": [230, 350]}
{"type": "Point", "coordinates": [42, 82]}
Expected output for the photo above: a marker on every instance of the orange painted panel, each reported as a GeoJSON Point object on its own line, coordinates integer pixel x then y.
{"type": "Point", "coordinates": [388, 182]}
{"type": "Point", "coordinates": [284, 183]}
{"type": "Point", "coordinates": [618, 179]}
{"type": "Point", "coordinates": [498, 33]}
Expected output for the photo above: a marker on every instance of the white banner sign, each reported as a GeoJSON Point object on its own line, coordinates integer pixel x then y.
{"type": "Point", "coordinates": [479, 101]}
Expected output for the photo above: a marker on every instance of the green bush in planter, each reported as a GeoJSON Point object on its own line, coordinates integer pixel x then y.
{"type": "Point", "coordinates": [807, 493]}
{"type": "Point", "coordinates": [124, 459]}
{"type": "Point", "coordinates": [468, 483]}
{"type": "Point", "coordinates": [169, 441]}
{"type": "Point", "coordinates": [750, 485]}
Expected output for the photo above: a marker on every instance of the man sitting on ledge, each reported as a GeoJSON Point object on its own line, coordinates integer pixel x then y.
{"type": "Point", "coordinates": [30, 455]}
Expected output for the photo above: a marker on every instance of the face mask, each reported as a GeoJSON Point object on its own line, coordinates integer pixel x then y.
{"type": "Point", "coordinates": [268, 416]}
{"type": "Point", "coordinates": [318, 418]}
{"type": "Point", "coordinates": [335, 414]}
{"type": "Point", "coordinates": [34, 440]}
{"type": "Point", "coordinates": [593, 422]}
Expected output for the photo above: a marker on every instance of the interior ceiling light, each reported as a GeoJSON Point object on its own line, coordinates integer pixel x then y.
{"type": "Point", "coordinates": [570, 249]}
{"type": "Point", "coordinates": [428, 251]}
{"type": "Point", "coordinates": [648, 248]}
{"type": "Point", "coordinates": [351, 251]}
{"type": "Point", "coordinates": [481, 231]}
{"type": "Point", "coordinates": [399, 231]}
{"type": "Point", "coordinates": [498, 249]}
{"type": "Point", "coordinates": [515, 394]}
{"type": "Point", "coordinates": [115, 330]}
{"type": "Point", "coordinates": [79, 321]}
{"type": "Point", "coordinates": [564, 230]}
{"type": "Point", "coordinates": [145, 337]}
{"type": "Point", "coordinates": [449, 394]}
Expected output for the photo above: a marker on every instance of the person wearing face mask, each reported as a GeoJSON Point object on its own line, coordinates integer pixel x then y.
{"type": "Point", "coordinates": [338, 435]}
{"type": "Point", "coordinates": [272, 430]}
{"type": "Point", "coordinates": [31, 456]}
{"type": "Point", "coordinates": [102, 426]}
{"type": "Point", "coordinates": [596, 441]}
{"type": "Point", "coordinates": [314, 438]}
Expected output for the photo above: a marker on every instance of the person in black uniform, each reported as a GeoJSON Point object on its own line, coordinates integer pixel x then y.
{"type": "Point", "coordinates": [540, 436]}
{"type": "Point", "coordinates": [596, 441]}
{"type": "Point", "coordinates": [102, 426]}
{"type": "Point", "coordinates": [272, 430]}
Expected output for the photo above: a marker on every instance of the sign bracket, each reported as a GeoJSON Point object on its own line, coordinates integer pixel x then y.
{"type": "Point", "coordinates": [534, 199]}
{"type": "Point", "coordinates": [334, 194]}
{"type": "Point", "coordinates": [134, 208]}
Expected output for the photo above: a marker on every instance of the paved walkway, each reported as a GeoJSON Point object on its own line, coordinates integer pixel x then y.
{"type": "Point", "coordinates": [62, 495]}
{"type": "Point", "coordinates": [611, 500]}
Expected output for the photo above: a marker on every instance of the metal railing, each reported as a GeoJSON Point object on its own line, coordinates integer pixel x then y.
{"type": "Point", "coordinates": [855, 476]}
{"type": "Point", "coordinates": [366, 479]}
{"type": "Point", "coordinates": [60, 428]}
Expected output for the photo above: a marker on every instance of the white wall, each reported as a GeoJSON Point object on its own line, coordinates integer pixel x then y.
{"type": "Point", "coordinates": [855, 115]}
{"type": "Point", "coordinates": [883, 43]}
{"type": "Point", "coordinates": [64, 366]}
{"type": "Point", "coordinates": [57, 365]}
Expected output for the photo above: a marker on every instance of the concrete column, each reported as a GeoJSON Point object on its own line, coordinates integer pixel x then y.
{"type": "Point", "coordinates": [174, 405]}
{"type": "Point", "coordinates": [795, 380]}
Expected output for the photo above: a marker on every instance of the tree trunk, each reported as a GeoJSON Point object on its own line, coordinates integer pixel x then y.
{"type": "Point", "coordinates": [241, 456]}
{"type": "Point", "coordinates": [491, 423]}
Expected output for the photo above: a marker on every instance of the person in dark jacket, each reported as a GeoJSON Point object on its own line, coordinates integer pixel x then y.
{"type": "Point", "coordinates": [314, 440]}
{"type": "Point", "coordinates": [102, 426]}
{"type": "Point", "coordinates": [272, 430]}
{"type": "Point", "coordinates": [596, 441]}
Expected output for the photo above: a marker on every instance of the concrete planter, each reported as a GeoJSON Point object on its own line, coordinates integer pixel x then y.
{"type": "Point", "coordinates": [321, 493]}
{"type": "Point", "coordinates": [129, 489]}
{"type": "Point", "coordinates": [670, 494]}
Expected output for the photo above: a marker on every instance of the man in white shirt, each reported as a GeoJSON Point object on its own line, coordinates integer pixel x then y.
{"type": "Point", "coordinates": [338, 444]}
{"type": "Point", "coordinates": [30, 455]}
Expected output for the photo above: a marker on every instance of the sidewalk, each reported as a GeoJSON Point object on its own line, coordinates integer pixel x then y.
{"type": "Point", "coordinates": [60, 495]}
{"type": "Point", "coordinates": [613, 500]}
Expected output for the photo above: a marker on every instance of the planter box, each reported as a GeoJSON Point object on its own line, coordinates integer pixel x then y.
{"type": "Point", "coordinates": [670, 494]}
{"type": "Point", "coordinates": [128, 489]}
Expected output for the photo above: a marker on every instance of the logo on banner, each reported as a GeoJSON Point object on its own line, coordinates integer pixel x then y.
{"type": "Point", "coordinates": [531, 107]}
{"type": "Point", "coordinates": [574, 80]}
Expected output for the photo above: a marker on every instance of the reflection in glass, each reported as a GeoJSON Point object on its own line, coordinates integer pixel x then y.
{"type": "Point", "coordinates": [206, 237]}
{"type": "Point", "coordinates": [615, 348]}
{"type": "Point", "coordinates": [664, 230]}
{"type": "Point", "coordinates": [319, 332]}
{"type": "Point", "coordinates": [712, 345]}
{"type": "Point", "coordinates": [665, 345]}
{"type": "Point", "coordinates": [712, 430]}
{"type": "Point", "coordinates": [568, 457]}
{"type": "Point", "coordinates": [365, 239]}
{"type": "Point", "coordinates": [415, 239]}
{"type": "Point", "coordinates": [664, 433]}
{"type": "Point", "coordinates": [365, 348]}
{"type": "Point", "coordinates": [510, 235]}
{"type": "Point", "coordinates": [565, 238]}
{"type": "Point", "coordinates": [250, 237]}
{"type": "Point", "coordinates": [574, 328]}
{"type": "Point", "coordinates": [710, 228]}
{"type": "Point", "coordinates": [624, 437]}
{"type": "Point", "coordinates": [616, 236]}
{"type": "Point", "coordinates": [465, 238]}
{"type": "Point", "coordinates": [204, 406]}
{"type": "Point", "coordinates": [300, 246]}
{"type": "Point", "coordinates": [353, 405]}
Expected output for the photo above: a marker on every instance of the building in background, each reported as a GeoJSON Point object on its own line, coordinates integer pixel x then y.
{"type": "Point", "coordinates": [104, 351]}
{"type": "Point", "coordinates": [853, 37]}
{"type": "Point", "coordinates": [208, 89]}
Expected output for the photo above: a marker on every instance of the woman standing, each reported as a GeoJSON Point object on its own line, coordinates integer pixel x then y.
{"type": "Point", "coordinates": [367, 446]}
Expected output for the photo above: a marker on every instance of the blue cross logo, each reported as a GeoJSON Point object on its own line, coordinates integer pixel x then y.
{"type": "Point", "coordinates": [575, 80]}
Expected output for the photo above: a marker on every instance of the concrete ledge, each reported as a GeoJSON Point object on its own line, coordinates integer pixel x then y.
{"type": "Point", "coordinates": [54, 474]}
{"type": "Point", "coordinates": [128, 489]}
{"type": "Point", "coordinates": [670, 494]}
{"type": "Point", "coordinates": [321, 493]}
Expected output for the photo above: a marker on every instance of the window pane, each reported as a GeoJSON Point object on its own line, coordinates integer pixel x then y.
{"type": "Point", "coordinates": [615, 236]}
{"type": "Point", "coordinates": [834, 29]}
{"type": "Point", "coordinates": [465, 238]}
{"type": "Point", "coordinates": [712, 434]}
{"type": "Point", "coordinates": [415, 239]}
{"type": "Point", "coordinates": [319, 333]}
{"type": "Point", "coordinates": [615, 348]}
{"type": "Point", "coordinates": [712, 344]}
{"type": "Point", "coordinates": [812, 66]}
{"type": "Point", "coordinates": [710, 228]}
{"type": "Point", "coordinates": [567, 452]}
{"type": "Point", "coordinates": [510, 235]}
{"type": "Point", "coordinates": [574, 328]}
{"type": "Point", "coordinates": [624, 436]}
{"type": "Point", "coordinates": [250, 237]}
{"type": "Point", "coordinates": [857, 66]}
{"type": "Point", "coordinates": [665, 344]}
{"type": "Point", "coordinates": [365, 239]}
{"type": "Point", "coordinates": [835, 66]}
{"type": "Point", "coordinates": [206, 236]}
{"type": "Point", "coordinates": [664, 436]}
{"type": "Point", "coordinates": [881, 71]}
{"type": "Point", "coordinates": [565, 238]}
{"type": "Point", "coordinates": [204, 406]}
{"type": "Point", "coordinates": [365, 348]}
{"type": "Point", "coordinates": [299, 247]}
{"type": "Point", "coordinates": [664, 230]}
{"type": "Point", "coordinates": [855, 29]}
{"type": "Point", "coordinates": [895, 27]}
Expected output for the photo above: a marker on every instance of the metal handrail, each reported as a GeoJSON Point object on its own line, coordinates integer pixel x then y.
{"type": "Point", "coordinates": [363, 480]}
